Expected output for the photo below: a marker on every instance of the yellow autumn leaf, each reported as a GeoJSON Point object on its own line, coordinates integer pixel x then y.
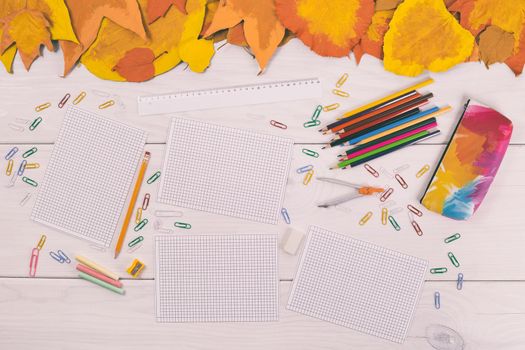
{"type": "Point", "coordinates": [7, 58]}
{"type": "Point", "coordinates": [424, 35]}
{"type": "Point", "coordinates": [197, 54]}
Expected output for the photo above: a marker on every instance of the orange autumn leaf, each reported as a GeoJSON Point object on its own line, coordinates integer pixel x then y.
{"type": "Point", "coordinates": [211, 8]}
{"type": "Point", "coordinates": [495, 45]}
{"type": "Point", "coordinates": [329, 28]}
{"type": "Point", "coordinates": [424, 35]}
{"type": "Point", "coordinates": [262, 29]}
{"type": "Point", "coordinates": [158, 8]}
{"type": "Point", "coordinates": [136, 65]}
{"type": "Point", "coordinates": [236, 36]}
{"type": "Point", "coordinates": [372, 42]}
{"type": "Point", "coordinates": [86, 17]}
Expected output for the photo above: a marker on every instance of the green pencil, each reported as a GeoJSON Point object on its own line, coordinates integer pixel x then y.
{"type": "Point", "coordinates": [100, 283]}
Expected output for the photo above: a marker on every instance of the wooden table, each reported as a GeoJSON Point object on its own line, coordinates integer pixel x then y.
{"type": "Point", "coordinates": [56, 310]}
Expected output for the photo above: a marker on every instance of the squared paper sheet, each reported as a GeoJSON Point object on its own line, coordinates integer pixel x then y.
{"type": "Point", "coordinates": [216, 278]}
{"type": "Point", "coordinates": [356, 284]}
{"type": "Point", "coordinates": [89, 175]}
{"type": "Point", "coordinates": [225, 171]}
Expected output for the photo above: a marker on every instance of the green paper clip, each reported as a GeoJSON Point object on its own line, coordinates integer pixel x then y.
{"type": "Point", "coordinates": [30, 181]}
{"type": "Point", "coordinates": [312, 123]}
{"type": "Point", "coordinates": [153, 178]}
{"type": "Point", "coordinates": [310, 153]}
{"type": "Point", "coordinates": [182, 225]}
{"type": "Point", "coordinates": [317, 113]}
{"type": "Point", "coordinates": [141, 225]}
{"type": "Point", "coordinates": [453, 259]}
{"type": "Point", "coordinates": [135, 241]}
{"type": "Point", "coordinates": [394, 223]}
{"type": "Point", "coordinates": [438, 270]}
{"type": "Point", "coordinates": [35, 123]}
{"type": "Point", "coordinates": [29, 152]}
{"type": "Point", "coordinates": [452, 238]}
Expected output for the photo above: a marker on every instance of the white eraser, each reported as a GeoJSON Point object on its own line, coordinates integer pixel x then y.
{"type": "Point", "coordinates": [292, 241]}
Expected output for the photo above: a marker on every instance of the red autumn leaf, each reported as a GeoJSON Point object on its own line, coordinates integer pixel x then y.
{"type": "Point", "coordinates": [137, 65]}
{"type": "Point", "coordinates": [158, 8]}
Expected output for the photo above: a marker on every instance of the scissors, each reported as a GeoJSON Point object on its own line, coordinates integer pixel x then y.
{"type": "Point", "coordinates": [361, 190]}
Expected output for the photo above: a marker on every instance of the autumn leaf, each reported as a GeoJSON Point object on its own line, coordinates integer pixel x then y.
{"type": "Point", "coordinates": [495, 45]}
{"type": "Point", "coordinates": [87, 16]}
{"type": "Point", "coordinates": [262, 29]}
{"type": "Point", "coordinates": [136, 65]}
{"type": "Point", "coordinates": [372, 42]}
{"type": "Point", "coordinates": [329, 28]}
{"type": "Point", "coordinates": [385, 5]}
{"type": "Point", "coordinates": [158, 8]}
{"type": "Point", "coordinates": [7, 58]}
{"type": "Point", "coordinates": [236, 36]}
{"type": "Point", "coordinates": [424, 35]}
{"type": "Point", "coordinates": [211, 8]}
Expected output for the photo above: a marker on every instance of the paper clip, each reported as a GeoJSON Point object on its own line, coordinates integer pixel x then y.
{"type": "Point", "coordinates": [438, 270]}
{"type": "Point", "coordinates": [43, 106]}
{"type": "Point", "coordinates": [423, 170]}
{"type": "Point", "coordinates": [396, 210]}
{"type": "Point", "coordinates": [135, 241]}
{"type": "Point", "coordinates": [145, 201]}
{"type": "Point", "coordinates": [168, 213]}
{"type": "Point", "coordinates": [401, 181]}
{"type": "Point", "coordinates": [9, 168]}
{"type": "Point", "coordinates": [386, 194]}
{"type": "Point", "coordinates": [459, 283]}
{"type": "Point", "coordinates": [304, 169]}
{"type": "Point", "coordinates": [11, 153]}
{"type": "Point", "coordinates": [453, 259]}
{"type": "Point", "coordinates": [452, 238]}
{"type": "Point", "coordinates": [310, 153]}
{"type": "Point", "coordinates": [308, 177]}
{"type": "Point", "coordinates": [41, 242]}
{"type": "Point", "coordinates": [394, 223]}
{"type": "Point", "coordinates": [135, 247]}
{"type": "Point", "coordinates": [311, 123]}
{"type": "Point", "coordinates": [317, 112]}
{"type": "Point", "coordinates": [64, 256]}
{"type": "Point", "coordinates": [384, 216]}
{"type": "Point", "coordinates": [106, 104]}
{"type": "Point", "coordinates": [22, 120]}
{"type": "Point", "coordinates": [285, 215]}
{"type": "Point", "coordinates": [138, 216]}
{"type": "Point", "coordinates": [16, 127]}
{"type": "Point", "coordinates": [182, 225]}
{"type": "Point", "coordinates": [437, 300]}
{"type": "Point", "coordinates": [371, 170]}
{"type": "Point", "coordinates": [401, 168]}
{"type": "Point", "coordinates": [386, 172]}
{"type": "Point", "coordinates": [340, 93]}
{"type": "Point", "coordinates": [331, 107]}
{"type": "Point", "coordinates": [388, 204]}
{"type": "Point", "coordinates": [141, 225]}
{"type": "Point", "coordinates": [153, 178]}
{"type": "Point", "coordinates": [64, 100]}
{"type": "Point", "coordinates": [13, 180]}
{"type": "Point", "coordinates": [415, 210]}
{"type": "Point", "coordinates": [341, 80]}
{"type": "Point", "coordinates": [30, 181]}
{"type": "Point", "coordinates": [415, 225]}
{"type": "Point", "coordinates": [79, 98]}
{"type": "Point", "coordinates": [35, 123]}
{"type": "Point", "coordinates": [33, 262]}
{"type": "Point", "coordinates": [25, 199]}
{"type": "Point", "coordinates": [157, 225]}
{"type": "Point", "coordinates": [98, 248]}
{"type": "Point", "coordinates": [278, 124]}
{"type": "Point", "coordinates": [57, 257]}
{"type": "Point", "coordinates": [29, 152]}
{"type": "Point", "coordinates": [21, 168]}
{"type": "Point", "coordinates": [32, 165]}
{"type": "Point", "coordinates": [365, 218]}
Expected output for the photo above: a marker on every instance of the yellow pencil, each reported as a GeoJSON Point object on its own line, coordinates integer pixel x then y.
{"type": "Point", "coordinates": [97, 267]}
{"type": "Point", "coordinates": [132, 202]}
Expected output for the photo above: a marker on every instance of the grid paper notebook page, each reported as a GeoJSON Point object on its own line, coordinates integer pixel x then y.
{"type": "Point", "coordinates": [216, 278]}
{"type": "Point", "coordinates": [225, 171]}
{"type": "Point", "coordinates": [88, 177]}
{"type": "Point", "coordinates": [356, 284]}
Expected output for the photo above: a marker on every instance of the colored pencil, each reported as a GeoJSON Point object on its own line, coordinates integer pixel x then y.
{"type": "Point", "coordinates": [132, 202]}
{"type": "Point", "coordinates": [96, 267]}
{"type": "Point", "coordinates": [98, 275]}
{"type": "Point", "coordinates": [100, 283]}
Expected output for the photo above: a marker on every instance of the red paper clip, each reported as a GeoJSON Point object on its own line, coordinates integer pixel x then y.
{"type": "Point", "coordinates": [64, 100]}
{"type": "Point", "coordinates": [278, 124]}
{"type": "Point", "coordinates": [145, 201]}
{"type": "Point", "coordinates": [33, 262]}
{"type": "Point", "coordinates": [415, 210]}
{"type": "Point", "coordinates": [371, 170]}
{"type": "Point", "coordinates": [417, 228]}
{"type": "Point", "coordinates": [401, 181]}
{"type": "Point", "coordinates": [386, 194]}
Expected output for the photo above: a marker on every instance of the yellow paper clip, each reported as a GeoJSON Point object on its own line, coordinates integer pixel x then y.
{"type": "Point", "coordinates": [79, 98]}
{"type": "Point", "coordinates": [365, 218]}
{"type": "Point", "coordinates": [43, 106]}
{"type": "Point", "coordinates": [106, 104]}
{"type": "Point", "coordinates": [331, 107]}
{"type": "Point", "coordinates": [308, 177]}
{"type": "Point", "coordinates": [9, 169]}
{"type": "Point", "coordinates": [384, 216]}
{"type": "Point", "coordinates": [423, 170]}
{"type": "Point", "coordinates": [41, 242]}
{"type": "Point", "coordinates": [341, 80]}
{"type": "Point", "coordinates": [138, 217]}
{"type": "Point", "coordinates": [32, 166]}
{"type": "Point", "coordinates": [136, 268]}
{"type": "Point", "coordinates": [340, 93]}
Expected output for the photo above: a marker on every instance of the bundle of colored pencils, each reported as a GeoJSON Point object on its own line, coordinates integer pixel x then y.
{"type": "Point", "coordinates": [384, 126]}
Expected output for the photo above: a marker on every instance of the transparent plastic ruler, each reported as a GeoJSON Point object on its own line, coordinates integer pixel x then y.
{"type": "Point", "coordinates": [240, 95]}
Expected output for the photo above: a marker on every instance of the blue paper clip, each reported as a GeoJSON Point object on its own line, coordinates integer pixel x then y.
{"type": "Point", "coordinates": [21, 168]}
{"type": "Point", "coordinates": [64, 256]}
{"type": "Point", "coordinates": [57, 257]}
{"type": "Point", "coordinates": [285, 215]}
{"type": "Point", "coordinates": [459, 284]}
{"type": "Point", "coordinates": [304, 169]}
{"type": "Point", "coordinates": [437, 300]}
{"type": "Point", "coordinates": [11, 153]}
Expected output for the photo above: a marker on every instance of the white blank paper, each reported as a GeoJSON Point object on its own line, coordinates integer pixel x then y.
{"type": "Point", "coordinates": [89, 175]}
{"type": "Point", "coordinates": [225, 171]}
{"type": "Point", "coordinates": [216, 278]}
{"type": "Point", "coordinates": [356, 284]}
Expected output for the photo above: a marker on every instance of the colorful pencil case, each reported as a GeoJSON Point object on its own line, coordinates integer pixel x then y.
{"type": "Point", "coordinates": [470, 162]}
